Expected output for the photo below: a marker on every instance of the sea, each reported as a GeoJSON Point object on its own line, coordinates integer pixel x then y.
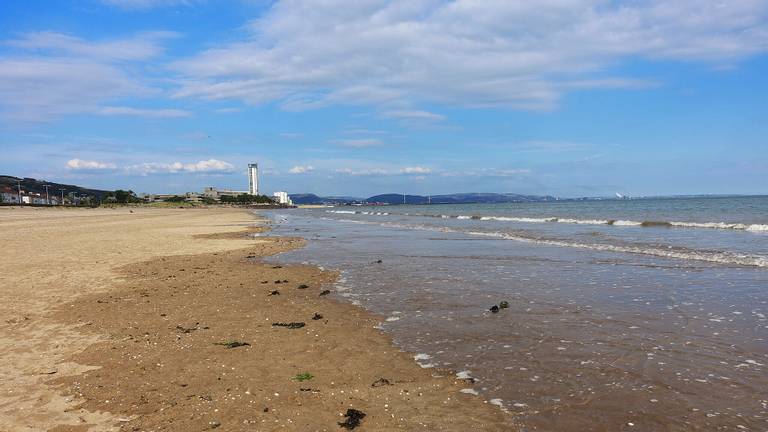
{"type": "Point", "coordinates": [639, 314]}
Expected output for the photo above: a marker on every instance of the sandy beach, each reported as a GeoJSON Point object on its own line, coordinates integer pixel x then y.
{"type": "Point", "coordinates": [167, 319]}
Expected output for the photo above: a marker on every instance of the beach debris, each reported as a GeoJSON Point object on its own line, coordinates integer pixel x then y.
{"type": "Point", "coordinates": [494, 309]}
{"type": "Point", "coordinates": [277, 267]}
{"type": "Point", "coordinates": [251, 256]}
{"type": "Point", "coordinates": [317, 316]}
{"type": "Point", "coordinates": [381, 382]}
{"type": "Point", "coordinates": [185, 329]}
{"type": "Point", "coordinates": [309, 390]}
{"type": "Point", "coordinates": [325, 292]}
{"type": "Point", "coordinates": [232, 344]}
{"type": "Point", "coordinates": [213, 424]}
{"type": "Point", "coordinates": [353, 419]}
{"type": "Point", "coordinates": [264, 282]}
{"type": "Point", "coordinates": [303, 286]}
{"type": "Point", "coordinates": [266, 409]}
{"type": "Point", "coordinates": [306, 376]}
{"type": "Point", "coordinates": [277, 281]}
{"type": "Point", "coordinates": [379, 261]}
{"type": "Point", "coordinates": [275, 292]}
{"type": "Point", "coordinates": [504, 304]}
{"type": "Point", "coordinates": [285, 280]}
{"type": "Point", "coordinates": [290, 325]}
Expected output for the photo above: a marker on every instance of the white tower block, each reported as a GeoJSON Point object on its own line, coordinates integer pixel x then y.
{"type": "Point", "coordinates": [253, 179]}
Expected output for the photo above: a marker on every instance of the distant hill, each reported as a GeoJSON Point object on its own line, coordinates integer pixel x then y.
{"type": "Point", "coordinates": [34, 185]}
{"type": "Point", "coordinates": [394, 199]}
{"type": "Point", "coordinates": [314, 199]}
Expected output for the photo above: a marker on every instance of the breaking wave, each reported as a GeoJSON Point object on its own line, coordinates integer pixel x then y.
{"type": "Point", "coordinates": [719, 257]}
{"type": "Point", "coordinates": [613, 222]}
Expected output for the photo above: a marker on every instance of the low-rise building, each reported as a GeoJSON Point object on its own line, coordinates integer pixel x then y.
{"type": "Point", "coordinates": [282, 198]}
{"type": "Point", "coordinates": [216, 194]}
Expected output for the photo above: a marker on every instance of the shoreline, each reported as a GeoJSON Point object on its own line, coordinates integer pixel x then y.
{"type": "Point", "coordinates": [153, 337]}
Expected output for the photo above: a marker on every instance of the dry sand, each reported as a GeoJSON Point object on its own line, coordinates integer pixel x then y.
{"type": "Point", "coordinates": [112, 319]}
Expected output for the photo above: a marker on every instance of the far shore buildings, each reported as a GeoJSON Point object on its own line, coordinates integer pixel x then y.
{"type": "Point", "coordinates": [282, 198]}
{"type": "Point", "coordinates": [215, 194]}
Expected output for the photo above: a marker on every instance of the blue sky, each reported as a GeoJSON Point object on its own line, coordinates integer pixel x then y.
{"type": "Point", "coordinates": [560, 97]}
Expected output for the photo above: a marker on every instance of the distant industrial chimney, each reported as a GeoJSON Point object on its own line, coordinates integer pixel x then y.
{"type": "Point", "coordinates": [253, 179]}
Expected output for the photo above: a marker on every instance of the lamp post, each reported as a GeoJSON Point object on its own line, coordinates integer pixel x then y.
{"type": "Point", "coordinates": [47, 196]}
{"type": "Point", "coordinates": [18, 193]}
{"type": "Point", "coordinates": [62, 197]}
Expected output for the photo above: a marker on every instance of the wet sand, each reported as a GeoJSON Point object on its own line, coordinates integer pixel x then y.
{"type": "Point", "coordinates": [119, 321]}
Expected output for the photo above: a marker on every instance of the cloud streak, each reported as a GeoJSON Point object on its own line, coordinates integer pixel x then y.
{"type": "Point", "coordinates": [46, 75]}
{"type": "Point", "coordinates": [151, 113]}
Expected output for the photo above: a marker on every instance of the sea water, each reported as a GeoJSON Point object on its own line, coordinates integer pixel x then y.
{"type": "Point", "coordinates": [643, 314]}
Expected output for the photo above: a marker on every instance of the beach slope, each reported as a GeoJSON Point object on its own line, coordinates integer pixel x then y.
{"type": "Point", "coordinates": [167, 319]}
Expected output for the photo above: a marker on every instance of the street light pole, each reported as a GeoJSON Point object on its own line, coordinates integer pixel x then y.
{"type": "Point", "coordinates": [18, 194]}
{"type": "Point", "coordinates": [47, 196]}
{"type": "Point", "coordinates": [62, 197]}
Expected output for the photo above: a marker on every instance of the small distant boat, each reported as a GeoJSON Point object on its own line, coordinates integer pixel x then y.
{"type": "Point", "coordinates": [620, 196]}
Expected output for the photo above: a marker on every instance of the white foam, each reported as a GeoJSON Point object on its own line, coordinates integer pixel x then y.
{"type": "Point", "coordinates": [464, 375]}
{"type": "Point", "coordinates": [469, 391]}
{"type": "Point", "coordinates": [626, 223]}
{"type": "Point", "coordinates": [584, 221]}
{"type": "Point", "coordinates": [422, 356]}
{"type": "Point", "coordinates": [620, 222]}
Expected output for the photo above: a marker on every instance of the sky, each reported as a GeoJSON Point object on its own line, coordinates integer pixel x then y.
{"type": "Point", "coordinates": [568, 98]}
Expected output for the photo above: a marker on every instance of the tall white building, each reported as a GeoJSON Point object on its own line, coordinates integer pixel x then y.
{"type": "Point", "coordinates": [253, 179]}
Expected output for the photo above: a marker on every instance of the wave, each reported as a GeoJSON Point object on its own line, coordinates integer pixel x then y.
{"type": "Point", "coordinates": [611, 222]}
{"type": "Point", "coordinates": [662, 251]}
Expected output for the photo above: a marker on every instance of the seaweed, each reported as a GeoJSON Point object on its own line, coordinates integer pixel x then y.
{"type": "Point", "coordinates": [306, 376]}
{"type": "Point", "coordinates": [232, 344]}
{"type": "Point", "coordinates": [381, 382]}
{"type": "Point", "coordinates": [290, 325]}
{"type": "Point", "coordinates": [353, 419]}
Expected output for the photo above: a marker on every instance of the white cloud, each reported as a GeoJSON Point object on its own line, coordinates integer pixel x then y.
{"type": "Point", "coordinates": [359, 142]}
{"type": "Point", "coordinates": [56, 74]}
{"type": "Point", "coordinates": [298, 169]}
{"type": "Point", "coordinates": [86, 165]}
{"type": "Point", "coordinates": [375, 171]}
{"type": "Point", "coordinates": [135, 112]}
{"type": "Point", "coordinates": [415, 170]}
{"type": "Point", "coordinates": [204, 166]}
{"type": "Point", "coordinates": [496, 53]}
{"type": "Point", "coordinates": [363, 172]}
